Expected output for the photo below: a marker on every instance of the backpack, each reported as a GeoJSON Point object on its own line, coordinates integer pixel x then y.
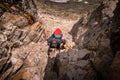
{"type": "Point", "coordinates": [56, 41]}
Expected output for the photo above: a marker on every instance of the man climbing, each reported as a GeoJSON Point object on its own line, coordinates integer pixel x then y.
{"type": "Point", "coordinates": [55, 40]}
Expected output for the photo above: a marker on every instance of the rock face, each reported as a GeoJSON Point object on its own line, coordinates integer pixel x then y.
{"type": "Point", "coordinates": [97, 33]}
{"type": "Point", "coordinates": [21, 40]}
{"type": "Point", "coordinates": [23, 51]}
{"type": "Point", "coordinates": [115, 69]}
{"type": "Point", "coordinates": [20, 45]}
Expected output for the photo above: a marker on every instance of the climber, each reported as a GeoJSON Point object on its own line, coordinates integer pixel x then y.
{"type": "Point", "coordinates": [55, 40]}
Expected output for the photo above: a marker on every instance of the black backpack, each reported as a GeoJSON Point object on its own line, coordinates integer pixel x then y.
{"type": "Point", "coordinates": [56, 41]}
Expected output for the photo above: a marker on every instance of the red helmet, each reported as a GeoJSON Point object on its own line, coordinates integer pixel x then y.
{"type": "Point", "coordinates": [57, 31]}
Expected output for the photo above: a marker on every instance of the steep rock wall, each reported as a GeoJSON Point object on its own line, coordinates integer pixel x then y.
{"type": "Point", "coordinates": [115, 36]}
{"type": "Point", "coordinates": [22, 37]}
{"type": "Point", "coordinates": [23, 51]}
{"type": "Point", "coordinates": [96, 54]}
